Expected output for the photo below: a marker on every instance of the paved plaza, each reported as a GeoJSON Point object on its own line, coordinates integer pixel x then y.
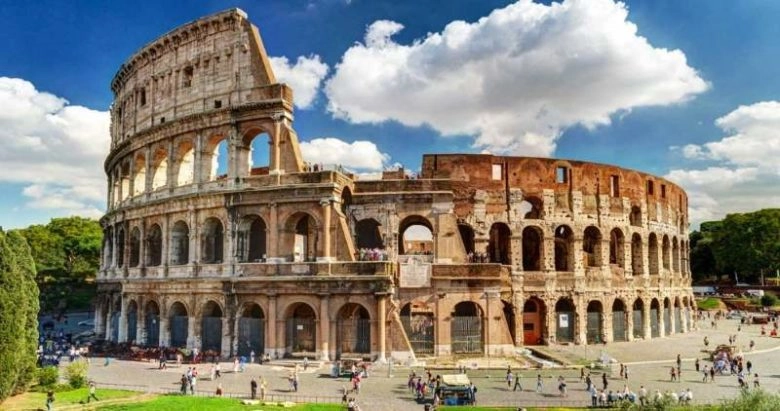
{"type": "Point", "coordinates": [648, 361]}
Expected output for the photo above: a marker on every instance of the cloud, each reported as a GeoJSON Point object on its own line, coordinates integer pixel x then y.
{"type": "Point", "coordinates": [514, 79]}
{"type": "Point", "coordinates": [305, 76]}
{"type": "Point", "coordinates": [359, 155]}
{"type": "Point", "coordinates": [55, 148]}
{"type": "Point", "coordinates": [746, 176]}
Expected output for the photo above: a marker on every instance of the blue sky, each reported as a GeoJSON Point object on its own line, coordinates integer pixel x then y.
{"type": "Point", "coordinates": [683, 89]}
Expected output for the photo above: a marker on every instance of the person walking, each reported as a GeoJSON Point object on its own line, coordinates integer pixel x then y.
{"type": "Point", "coordinates": [92, 392]}
{"type": "Point", "coordinates": [509, 378]}
{"type": "Point", "coordinates": [673, 374]}
{"type": "Point", "coordinates": [749, 366]}
{"type": "Point", "coordinates": [219, 390]}
{"type": "Point", "coordinates": [604, 380]}
{"type": "Point", "coordinates": [756, 384]}
{"type": "Point", "coordinates": [184, 383]}
{"type": "Point", "coordinates": [539, 383]}
{"type": "Point", "coordinates": [49, 400]}
{"type": "Point", "coordinates": [517, 382]}
{"type": "Point", "coordinates": [696, 364]}
{"type": "Point", "coordinates": [642, 395]}
{"type": "Point", "coordinates": [263, 388]}
{"type": "Point", "coordinates": [625, 372]}
{"type": "Point", "coordinates": [253, 387]}
{"type": "Point", "coordinates": [193, 383]}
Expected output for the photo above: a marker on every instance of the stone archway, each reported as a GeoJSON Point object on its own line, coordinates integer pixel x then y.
{"type": "Point", "coordinates": [533, 249]}
{"type": "Point", "coordinates": [639, 318]}
{"type": "Point", "coordinates": [251, 330]}
{"type": "Point", "coordinates": [354, 330]}
{"type": "Point", "coordinates": [211, 327]}
{"type": "Point", "coordinates": [179, 325]}
{"type": "Point", "coordinates": [534, 316]}
{"type": "Point", "coordinates": [301, 338]}
{"type": "Point", "coordinates": [418, 322]}
{"type": "Point", "coordinates": [564, 256]}
{"type": "Point", "coordinates": [499, 248]}
{"type": "Point", "coordinates": [619, 321]}
{"type": "Point", "coordinates": [368, 234]}
{"type": "Point", "coordinates": [132, 322]}
{"type": "Point", "coordinates": [655, 318]}
{"type": "Point", "coordinates": [564, 320]}
{"type": "Point", "coordinates": [667, 316]}
{"type": "Point", "coordinates": [595, 330]}
{"type": "Point", "coordinates": [466, 328]}
{"type": "Point", "coordinates": [152, 324]}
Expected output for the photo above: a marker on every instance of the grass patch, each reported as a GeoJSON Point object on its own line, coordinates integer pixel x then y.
{"type": "Point", "coordinates": [37, 400]}
{"type": "Point", "coordinates": [188, 403]}
{"type": "Point", "coordinates": [709, 303]}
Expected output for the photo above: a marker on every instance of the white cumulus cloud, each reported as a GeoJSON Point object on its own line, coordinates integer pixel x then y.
{"type": "Point", "coordinates": [55, 149]}
{"type": "Point", "coordinates": [305, 76]}
{"type": "Point", "coordinates": [746, 176]}
{"type": "Point", "coordinates": [359, 155]}
{"type": "Point", "coordinates": [513, 79]}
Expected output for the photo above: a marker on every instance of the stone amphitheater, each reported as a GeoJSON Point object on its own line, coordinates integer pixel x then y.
{"type": "Point", "coordinates": [476, 255]}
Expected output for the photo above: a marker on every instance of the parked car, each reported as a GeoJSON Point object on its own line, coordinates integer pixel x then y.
{"type": "Point", "coordinates": [87, 323]}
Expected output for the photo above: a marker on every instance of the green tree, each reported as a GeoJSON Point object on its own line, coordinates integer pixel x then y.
{"type": "Point", "coordinates": [748, 243]}
{"type": "Point", "coordinates": [702, 259]}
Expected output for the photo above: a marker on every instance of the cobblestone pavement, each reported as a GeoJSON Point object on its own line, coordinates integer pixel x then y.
{"type": "Point", "coordinates": [649, 363]}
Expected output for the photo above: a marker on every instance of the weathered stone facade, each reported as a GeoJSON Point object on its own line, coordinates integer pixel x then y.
{"type": "Point", "coordinates": [297, 260]}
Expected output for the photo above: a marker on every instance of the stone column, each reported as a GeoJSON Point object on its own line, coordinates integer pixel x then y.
{"type": "Point", "coordinates": [581, 321]}
{"type": "Point", "coordinates": [517, 303]}
{"type": "Point", "coordinates": [226, 340]}
{"type": "Point", "coordinates": [270, 327]}
{"type": "Point", "coordinates": [140, 321]}
{"type": "Point", "coordinates": [273, 232]}
{"type": "Point", "coordinates": [276, 154]}
{"type": "Point", "coordinates": [324, 327]}
{"type": "Point", "coordinates": [381, 318]}
{"type": "Point", "coordinates": [551, 320]}
{"type": "Point", "coordinates": [198, 167]}
{"type": "Point", "coordinates": [661, 319]}
{"type": "Point", "coordinates": [648, 328]}
{"type": "Point", "coordinates": [122, 323]}
{"type": "Point", "coordinates": [148, 177]}
{"type": "Point", "coordinates": [142, 244]}
{"type": "Point", "coordinates": [171, 178]}
{"type": "Point", "coordinates": [165, 330]}
{"type": "Point", "coordinates": [607, 333]}
{"type": "Point", "coordinates": [192, 322]}
{"type": "Point", "coordinates": [107, 326]}
{"type": "Point", "coordinates": [630, 323]}
{"type": "Point", "coordinates": [326, 212]}
{"type": "Point", "coordinates": [684, 317]}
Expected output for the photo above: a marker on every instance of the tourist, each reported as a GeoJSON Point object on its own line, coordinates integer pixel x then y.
{"type": "Point", "coordinates": [184, 383]}
{"type": "Point", "coordinates": [473, 392]}
{"type": "Point", "coordinates": [539, 383]}
{"type": "Point", "coordinates": [49, 400]}
{"type": "Point", "coordinates": [253, 387]}
{"type": "Point", "coordinates": [235, 365]}
{"type": "Point", "coordinates": [509, 378]}
{"type": "Point", "coordinates": [263, 388]}
{"type": "Point", "coordinates": [193, 383]}
{"type": "Point", "coordinates": [305, 363]}
{"type": "Point", "coordinates": [594, 396]}
{"type": "Point", "coordinates": [673, 374]}
{"type": "Point", "coordinates": [217, 370]}
{"type": "Point", "coordinates": [604, 380]}
{"type": "Point", "coordinates": [252, 357]}
{"type": "Point", "coordinates": [696, 364]}
{"type": "Point", "coordinates": [295, 383]}
{"type": "Point", "coordinates": [92, 392]}
{"type": "Point", "coordinates": [756, 384]}
{"type": "Point", "coordinates": [706, 372]}
{"type": "Point", "coordinates": [562, 386]}
{"type": "Point", "coordinates": [642, 395]}
{"type": "Point", "coordinates": [219, 390]}
{"type": "Point", "coordinates": [517, 382]}
{"type": "Point", "coordinates": [625, 372]}
{"type": "Point", "coordinates": [749, 366]}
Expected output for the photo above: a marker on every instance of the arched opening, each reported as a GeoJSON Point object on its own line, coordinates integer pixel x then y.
{"type": "Point", "coordinates": [159, 169]}
{"type": "Point", "coordinates": [677, 316]}
{"type": "Point", "coordinates": [258, 160]}
{"type": "Point", "coordinates": [301, 330]}
{"type": "Point", "coordinates": [499, 248]}
{"type": "Point", "coordinates": [125, 180]}
{"type": "Point", "coordinates": [667, 316]}
{"type": "Point", "coordinates": [466, 328]}
{"type": "Point", "coordinates": [675, 256]}
{"type": "Point", "coordinates": [251, 330]}
{"type": "Point", "coordinates": [652, 254]}
{"type": "Point", "coordinates": [180, 243]}
{"type": "Point", "coordinates": [120, 247]}
{"type": "Point", "coordinates": [139, 179]}
{"type": "Point", "coordinates": [115, 314]}
{"type": "Point", "coordinates": [354, 330]}
{"type": "Point", "coordinates": [179, 325]}
{"type": "Point", "coordinates": [531, 208]}
{"type": "Point", "coordinates": [655, 319]}
{"type": "Point", "coordinates": [185, 164]}
{"type": "Point", "coordinates": [619, 321]}
{"type": "Point", "coordinates": [594, 333]}
{"type": "Point", "coordinates": [509, 318]}
{"type": "Point", "coordinates": [252, 245]}
{"type": "Point", "coordinates": [533, 247]}
{"type": "Point", "coordinates": [564, 320]}
{"type": "Point", "coordinates": [534, 314]}
{"type": "Point", "coordinates": [135, 247]}
{"type": "Point", "coordinates": [152, 324]}
{"type": "Point", "coordinates": [346, 200]}
{"type": "Point", "coordinates": [637, 263]}
{"type": "Point", "coordinates": [213, 241]}
{"type": "Point", "coordinates": [467, 237]}
{"type": "Point", "coordinates": [591, 247]}
{"type": "Point", "coordinates": [108, 247]}
{"type": "Point", "coordinates": [369, 234]}
{"type": "Point", "coordinates": [417, 320]}
{"type": "Point", "coordinates": [211, 328]}
{"type": "Point", "coordinates": [132, 322]}
{"type": "Point", "coordinates": [635, 218]}
{"type": "Point", "coordinates": [416, 234]}
{"type": "Point", "coordinates": [665, 252]}
{"type": "Point", "coordinates": [215, 157]}
{"type": "Point", "coordinates": [616, 247]}
{"type": "Point", "coordinates": [564, 258]}
{"type": "Point", "coordinates": [154, 246]}
{"type": "Point", "coordinates": [305, 238]}
{"type": "Point", "coordinates": [639, 319]}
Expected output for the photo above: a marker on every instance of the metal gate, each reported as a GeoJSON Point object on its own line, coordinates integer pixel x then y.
{"type": "Point", "coordinates": [354, 335]}
{"type": "Point", "coordinates": [594, 328]}
{"type": "Point", "coordinates": [179, 330]}
{"type": "Point", "coordinates": [667, 321]}
{"type": "Point", "coordinates": [564, 326]}
{"type": "Point", "coordinates": [639, 324]}
{"type": "Point", "coordinates": [211, 334]}
{"type": "Point", "coordinates": [132, 326]}
{"type": "Point", "coordinates": [678, 320]}
{"type": "Point", "coordinates": [114, 326]}
{"type": "Point", "coordinates": [466, 333]}
{"type": "Point", "coordinates": [301, 335]}
{"type": "Point", "coordinates": [655, 332]}
{"type": "Point", "coordinates": [419, 330]}
{"type": "Point", "coordinates": [251, 336]}
{"type": "Point", "coordinates": [619, 326]}
{"type": "Point", "coordinates": [152, 330]}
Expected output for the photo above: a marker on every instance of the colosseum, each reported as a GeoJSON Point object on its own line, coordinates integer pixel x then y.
{"type": "Point", "coordinates": [477, 255]}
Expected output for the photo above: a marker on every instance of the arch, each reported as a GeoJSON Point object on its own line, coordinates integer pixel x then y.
{"type": "Point", "coordinates": [667, 316]}
{"type": "Point", "coordinates": [108, 247]}
{"type": "Point", "coordinates": [213, 241]}
{"type": "Point", "coordinates": [152, 324]}
{"type": "Point", "coordinates": [154, 246]}
{"type": "Point", "coordinates": [533, 249]}
{"type": "Point", "coordinates": [346, 200]}
{"type": "Point", "coordinates": [635, 218]}
{"type": "Point", "coordinates": [135, 247]}
{"type": "Point", "coordinates": [211, 327]}
{"type": "Point", "coordinates": [252, 243]}
{"type": "Point", "coordinates": [216, 157]}
{"type": "Point", "coordinates": [419, 325]}
{"type": "Point", "coordinates": [591, 247]}
{"type": "Point", "coordinates": [303, 229]}
{"type": "Point", "coordinates": [139, 178]}
{"type": "Point", "coordinates": [617, 247]}
{"type": "Point", "coordinates": [564, 320]}
{"type": "Point", "coordinates": [534, 315]}
{"type": "Point", "coordinates": [637, 262]}
{"type": "Point", "coordinates": [259, 147]}
{"type": "Point", "coordinates": [652, 254]}
{"type": "Point", "coordinates": [564, 240]}
{"type": "Point", "coordinates": [301, 334]}
{"type": "Point", "coordinates": [178, 323]}
{"type": "Point", "coordinates": [368, 234]}
{"type": "Point", "coordinates": [251, 330]}
{"type": "Point", "coordinates": [466, 328]}
{"type": "Point", "coordinates": [185, 163]}
{"type": "Point", "coordinates": [467, 237]}
{"type": "Point", "coordinates": [180, 243]}
{"type": "Point", "coordinates": [531, 207]}
{"type": "Point", "coordinates": [132, 321]}
{"type": "Point", "coordinates": [499, 248]}
{"type": "Point", "coordinates": [159, 169]}
{"type": "Point", "coordinates": [677, 316]}
{"type": "Point", "coordinates": [415, 234]}
{"type": "Point", "coordinates": [595, 330]}
{"type": "Point", "coordinates": [619, 321]}
{"type": "Point", "coordinates": [675, 256]}
{"type": "Point", "coordinates": [655, 318]}
{"type": "Point", "coordinates": [354, 330]}
{"type": "Point", "coordinates": [120, 247]}
{"type": "Point", "coordinates": [639, 318]}
{"type": "Point", "coordinates": [665, 252]}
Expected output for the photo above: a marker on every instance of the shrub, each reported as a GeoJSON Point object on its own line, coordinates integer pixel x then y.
{"type": "Point", "coordinates": [48, 376]}
{"type": "Point", "coordinates": [752, 400]}
{"type": "Point", "coordinates": [768, 300]}
{"type": "Point", "coordinates": [76, 373]}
